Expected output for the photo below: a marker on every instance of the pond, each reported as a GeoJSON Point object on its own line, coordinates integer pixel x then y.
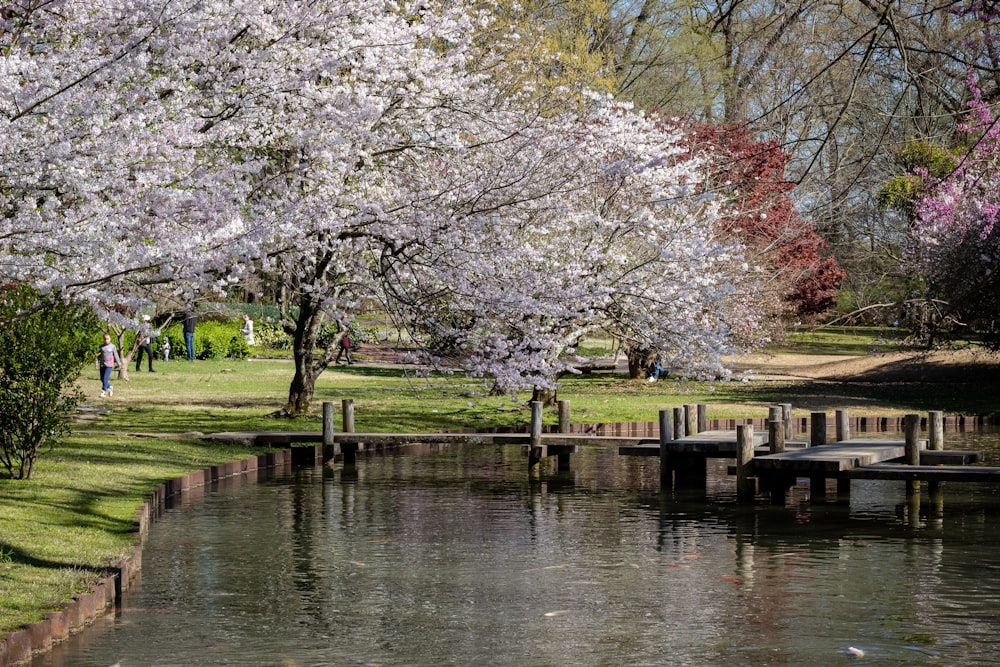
{"type": "Point", "coordinates": [459, 557]}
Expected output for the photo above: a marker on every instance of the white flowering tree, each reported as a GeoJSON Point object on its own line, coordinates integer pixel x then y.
{"type": "Point", "coordinates": [589, 223]}
{"type": "Point", "coordinates": [111, 175]}
{"type": "Point", "coordinates": [348, 150]}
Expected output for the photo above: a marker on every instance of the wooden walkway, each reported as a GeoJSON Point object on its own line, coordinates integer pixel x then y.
{"type": "Point", "coordinates": [857, 458]}
{"type": "Point", "coordinates": [683, 458]}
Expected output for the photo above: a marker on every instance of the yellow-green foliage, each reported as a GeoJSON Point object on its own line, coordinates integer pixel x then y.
{"type": "Point", "coordinates": [559, 44]}
{"type": "Point", "coordinates": [901, 192]}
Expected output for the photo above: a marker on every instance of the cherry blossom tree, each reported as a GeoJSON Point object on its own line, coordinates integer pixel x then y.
{"type": "Point", "coordinates": [111, 174]}
{"type": "Point", "coordinates": [351, 151]}
{"type": "Point", "coordinates": [598, 224]}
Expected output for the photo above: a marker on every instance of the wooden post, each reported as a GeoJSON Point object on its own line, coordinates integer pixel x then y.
{"type": "Point", "coordinates": [564, 426]}
{"type": "Point", "coordinates": [817, 429]}
{"type": "Point", "coordinates": [911, 432]}
{"type": "Point", "coordinates": [775, 414]}
{"type": "Point", "coordinates": [843, 426]}
{"type": "Point", "coordinates": [679, 423]}
{"type": "Point", "coordinates": [348, 408]}
{"type": "Point", "coordinates": [817, 438]}
{"type": "Point", "coordinates": [535, 439]}
{"type": "Point", "coordinates": [935, 435]}
{"type": "Point", "coordinates": [562, 456]}
{"type": "Point", "coordinates": [843, 433]}
{"type": "Point", "coordinates": [786, 416]}
{"type": "Point", "coordinates": [935, 429]}
{"type": "Point", "coordinates": [691, 419]}
{"type": "Point", "coordinates": [329, 446]}
{"type": "Point", "coordinates": [776, 435]}
{"type": "Point", "coordinates": [746, 484]}
{"type": "Point", "coordinates": [666, 431]}
{"type": "Point", "coordinates": [702, 418]}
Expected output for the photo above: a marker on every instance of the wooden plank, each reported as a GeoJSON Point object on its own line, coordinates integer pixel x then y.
{"type": "Point", "coordinates": [719, 452]}
{"type": "Point", "coordinates": [832, 458]}
{"type": "Point", "coordinates": [930, 457]}
{"type": "Point", "coordinates": [566, 442]}
{"type": "Point", "coordinates": [935, 473]}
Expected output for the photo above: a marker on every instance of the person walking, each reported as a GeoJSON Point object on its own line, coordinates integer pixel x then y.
{"type": "Point", "coordinates": [189, 322]}
{"type": "Point", "coordinates": [247, 329]}
{"type": "Point", "coordinates": [144, 348]}
{"type": "Point", "coordinates": [107, 358]}
{"type": "Point", "coordinates": [345, 349]}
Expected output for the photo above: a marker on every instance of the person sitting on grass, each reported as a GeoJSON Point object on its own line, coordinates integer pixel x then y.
{"type": "Point", "coordinates": [656, 371]}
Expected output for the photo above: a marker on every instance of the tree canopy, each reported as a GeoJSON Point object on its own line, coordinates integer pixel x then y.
{"type": "Point", "coordinates": [359, 151]}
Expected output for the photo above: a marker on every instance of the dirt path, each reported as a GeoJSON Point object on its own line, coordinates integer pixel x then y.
{"type": "Point", "coordinates": [962, 366]}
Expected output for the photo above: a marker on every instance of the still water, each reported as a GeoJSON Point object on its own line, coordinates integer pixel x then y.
{"type": "Point", "coordinates": [457, 557]}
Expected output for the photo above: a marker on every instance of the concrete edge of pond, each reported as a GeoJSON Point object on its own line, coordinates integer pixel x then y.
{"type": "Point", "coordinates": [21, 646]}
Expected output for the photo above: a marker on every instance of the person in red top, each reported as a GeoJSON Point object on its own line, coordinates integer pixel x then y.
{"type": "Point", "coordinates": [345, 349]}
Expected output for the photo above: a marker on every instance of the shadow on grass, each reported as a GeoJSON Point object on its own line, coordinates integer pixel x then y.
{"type": "Point", "coordinates": [7, 551]}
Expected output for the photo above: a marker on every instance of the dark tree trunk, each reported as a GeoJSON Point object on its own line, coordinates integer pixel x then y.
{"type": "Point", "coordinates": [548, 397]}
{"type": "Point", "coordinates": [638, 361]}
{"type": "Point", "coordinates": [307, 366]}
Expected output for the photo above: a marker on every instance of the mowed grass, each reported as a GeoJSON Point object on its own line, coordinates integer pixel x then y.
{"type": "Point", "coordinates": [62, 529]}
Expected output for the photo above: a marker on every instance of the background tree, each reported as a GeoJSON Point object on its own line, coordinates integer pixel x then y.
{"type": "Point", "coordinates": [42, 349]}
{"type": "Point", "coordinates": [842, 87]}
{"type": "Point", "coordinates": [955, 244]}
{"type": "Point", "coordinates": [759, 212]}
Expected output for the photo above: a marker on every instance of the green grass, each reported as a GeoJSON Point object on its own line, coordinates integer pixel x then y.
{"type": "Point", "coordinates": [62, 529]}
{"type": "Point", "coordinates": [59, 531]}
{"type": "Point", "coordinates": [839, 340]}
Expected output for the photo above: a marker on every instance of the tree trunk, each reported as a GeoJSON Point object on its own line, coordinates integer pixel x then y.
{"type": "Point", "coordinates": [307, 369]}
{"type": "Point", "coordinates": [300, 392]}
{"type": "Point", "coordinates": [548, 397]}
{"type": "Point", "coordinates": [638, 361]}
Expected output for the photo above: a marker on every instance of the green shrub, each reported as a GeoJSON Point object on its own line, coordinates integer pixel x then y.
{"type": "Point", "coordinates": [212, 340]}
{"type": "Point", "coordinates": [42, 354]}
{"type": "Point", "coordinates": [269, 335]}
{"type": "Point", "coordinates": [238, 348]}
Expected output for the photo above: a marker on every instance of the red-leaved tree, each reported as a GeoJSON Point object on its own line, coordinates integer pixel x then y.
{"type": "Point", "coordinates": [759, 213]}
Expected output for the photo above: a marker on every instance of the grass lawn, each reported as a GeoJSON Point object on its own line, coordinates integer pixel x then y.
{"type": "Point", "coordinates": [73, 519]}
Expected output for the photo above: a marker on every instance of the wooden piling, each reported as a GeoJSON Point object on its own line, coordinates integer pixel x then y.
{"type": "Point", "coordinates": [679, 423]}
{"type": "Point", "coordinates": [347, 406]}
{"type": "Point", "coordinates": [817, 429]}
{"type": "Point", "coordinates": [564, 424]}
{"type": "Point", "coordinates": [690, 419]}
{"type": "Point", "coordinates": [349, 451]}
{"type": "Point", "coordinates": [911, 434]}
{"type": "Point", "coordinates": [666, 431]}
{"type": "Point", "coordinates": [535, 438]}
{"type": "Point", "coordinates": [702, 417]}
{"type": "Point", "coordinates": [562, 457]}
{"type": "Point", "coordinates": [843, 432]}
{"type": "Point", "coordinates": [786, 416]}
{"type": "Point", "coordinates": [776, 435]}
{"type": "Point", "coordinates": [843, 427]}
{"type": "Point", "coordinates": [935, 435]}
{"type": "Point", "coordinates": [329, 446]}
{"type": "Point", "coordinates": [817, 438]}
{"type": "Point", "coordinates": [746, 484]}
{"type": "Point", "coordinates": [935, 430]}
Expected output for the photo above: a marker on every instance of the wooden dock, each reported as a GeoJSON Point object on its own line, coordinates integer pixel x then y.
{"type": "Point", "coordinates": [767, 461]}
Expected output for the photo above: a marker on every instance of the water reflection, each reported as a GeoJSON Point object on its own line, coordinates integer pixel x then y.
{"type": "Point", "coordinates": [459, 558]}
